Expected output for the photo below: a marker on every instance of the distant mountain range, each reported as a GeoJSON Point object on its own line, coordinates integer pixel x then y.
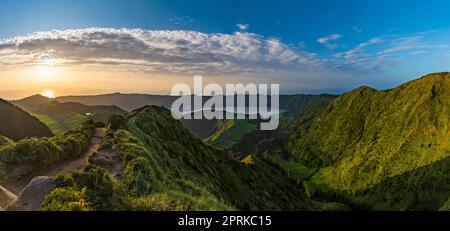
{"type": "Point", "coordinates": [126, 102]}
{"type": "Point", "coordinates": [61, 117]}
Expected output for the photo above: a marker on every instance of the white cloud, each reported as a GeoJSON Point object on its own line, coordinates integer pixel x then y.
{"type": "Point", "coordinates": [357, 29]}
{"type": "Point", "coordinates": [410, 43]}
{"type": "Point", "coordinates": [330, 40]}
{"type": "Point", "coordinates": [162, 51]}
{"type": "Point", "coordinates": [359, 58]}
{"type": "Point", "coordinates": [181, 21]}
{"type": "Point", "coordinates": [242, 26]}
{"type": "Point", "coordinates": [418, 52]}
{"type": "Point", "coordinates": [190, 52]}
{"type": "Point", "coordinates": [302, 45]}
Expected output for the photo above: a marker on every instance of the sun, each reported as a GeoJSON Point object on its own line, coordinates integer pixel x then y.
{"type": "Point", "coordinates": [49, 93]}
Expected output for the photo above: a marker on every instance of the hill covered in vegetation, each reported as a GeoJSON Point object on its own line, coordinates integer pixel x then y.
{"type": "Point", "coordinates": [148, 161]}
{"type": "Point", "coordinates": [380, 149]}
{"type": "Point", "coordinates": [17, 124]}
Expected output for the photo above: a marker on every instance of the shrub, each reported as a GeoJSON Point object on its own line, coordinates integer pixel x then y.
{"type": "Point", "coordinates": [64, 181]}
{"type": "Point", "coordinates": [99, 186]}
{"type": "Point", "coordinates": [66, 199]}
{"type": "Point", "coordinates": [138, 176]}
{"type": "Point", "coordinates": [117, 122]}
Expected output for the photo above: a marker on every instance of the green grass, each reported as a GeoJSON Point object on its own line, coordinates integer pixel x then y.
{"type": "Point", "coordinates": [62, 122]}
{"type": "Point", "coordinates": [291, 168]}
{"type": "Point", "coordinates": [368, 144]}
{"type": "Point", "coordinates": [54, 125]}
{"type": "Point", "coordinates": [230, 132]}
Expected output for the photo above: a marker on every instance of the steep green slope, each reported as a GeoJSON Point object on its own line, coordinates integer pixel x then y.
{"type": "Point", "coordinates": [61, 117]}
{"type": "Point", "coordinates": [367, 138]}
{"type": "Point", "coordinates": [304, 105]}
{"type": "Point", "coordinates": [425, 188]}
{"type": "Point", "coordinates": [167, 168]}
{"type": "Point", "coordinates": [229, 132]}
{"type": "Point", "coordinates": [17, 124]}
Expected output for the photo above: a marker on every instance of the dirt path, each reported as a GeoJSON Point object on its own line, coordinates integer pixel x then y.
{"type": "Point", "coordinates": [12, 189]}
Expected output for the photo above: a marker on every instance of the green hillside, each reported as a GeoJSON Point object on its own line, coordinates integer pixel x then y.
{"type": "Point", "coordinates": [229, 132]}
{"type": "Point", "coordinates": [244, 135]}
{"type": "Point", "coordinates": [17, 124]}
{"type": "Point", "coordinates": [367, 139]}
{"type": "Point", "coordinates": [62, 117]}
{"type": "Point", "coordinates": [164, 167]}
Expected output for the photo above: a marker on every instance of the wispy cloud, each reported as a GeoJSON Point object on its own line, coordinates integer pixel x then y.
{"type": "Point", "coordinates": [418, 52]}
{"type": "Point", "coordinates": [358, 57]}
{"type": "Point", "coordinates": [357, 29]}
{"type": "Point", "coordinates": [381, 52]}
{"type": "Point", "coordinates": [159, 51]}
{"type": "Point", "coordinates": [330, 40]}
{"type": "Point", "coordinates": [409, 43]}
{"type": "Point", "coordinates": [242, 26]}
{"type": "Point", "coordinates": [181, 21]}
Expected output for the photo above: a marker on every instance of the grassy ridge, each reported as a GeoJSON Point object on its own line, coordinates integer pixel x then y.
{"type": "Point", "coordinates": [367, 135]}
{"type": "Point", "coordinates": [167, 168]}
{"type": "Point", "coordinates": [372, 143]}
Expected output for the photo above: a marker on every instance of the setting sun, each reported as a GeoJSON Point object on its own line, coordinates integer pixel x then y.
{"type": "Point", "coordinates": [49, 93]}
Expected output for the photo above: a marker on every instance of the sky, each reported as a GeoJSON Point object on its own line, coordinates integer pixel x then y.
{"type": "Point", "coordinates": [312, 47]}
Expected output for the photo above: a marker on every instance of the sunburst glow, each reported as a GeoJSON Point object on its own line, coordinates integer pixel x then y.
{"type": "Point", "coordinates": [49, 93]}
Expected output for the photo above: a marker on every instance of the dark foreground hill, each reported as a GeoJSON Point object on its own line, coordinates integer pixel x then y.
{"type": "Point", "coordinates": [150, 162]}
{"type": "Point", "coordinates": [17, 124]}
{"type": "Point", "coordinates": [382, 149]}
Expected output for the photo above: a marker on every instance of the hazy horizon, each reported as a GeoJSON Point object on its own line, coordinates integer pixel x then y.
{"type": "Point", "coordinates": [81, 48]}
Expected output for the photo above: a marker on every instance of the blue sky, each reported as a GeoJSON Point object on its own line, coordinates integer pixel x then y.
{"type": "Point", "coordinates": [378, 43]}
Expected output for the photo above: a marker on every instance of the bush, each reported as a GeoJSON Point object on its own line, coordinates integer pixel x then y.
{"type": "Point", "coordinates": [66, 199]}
{"type": "Point", "coordinates": [138, 177]}
{"type": "Point", "coordinates": [38, 153]}
{"type": "Point", "coordinates": [99, 185]}
{"type": "Point", "coordinates": [117, 122]}
{"type": "Point", "coordinates": [64, 181]}
{"type": "Point", "coordinates": [106, 145]}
